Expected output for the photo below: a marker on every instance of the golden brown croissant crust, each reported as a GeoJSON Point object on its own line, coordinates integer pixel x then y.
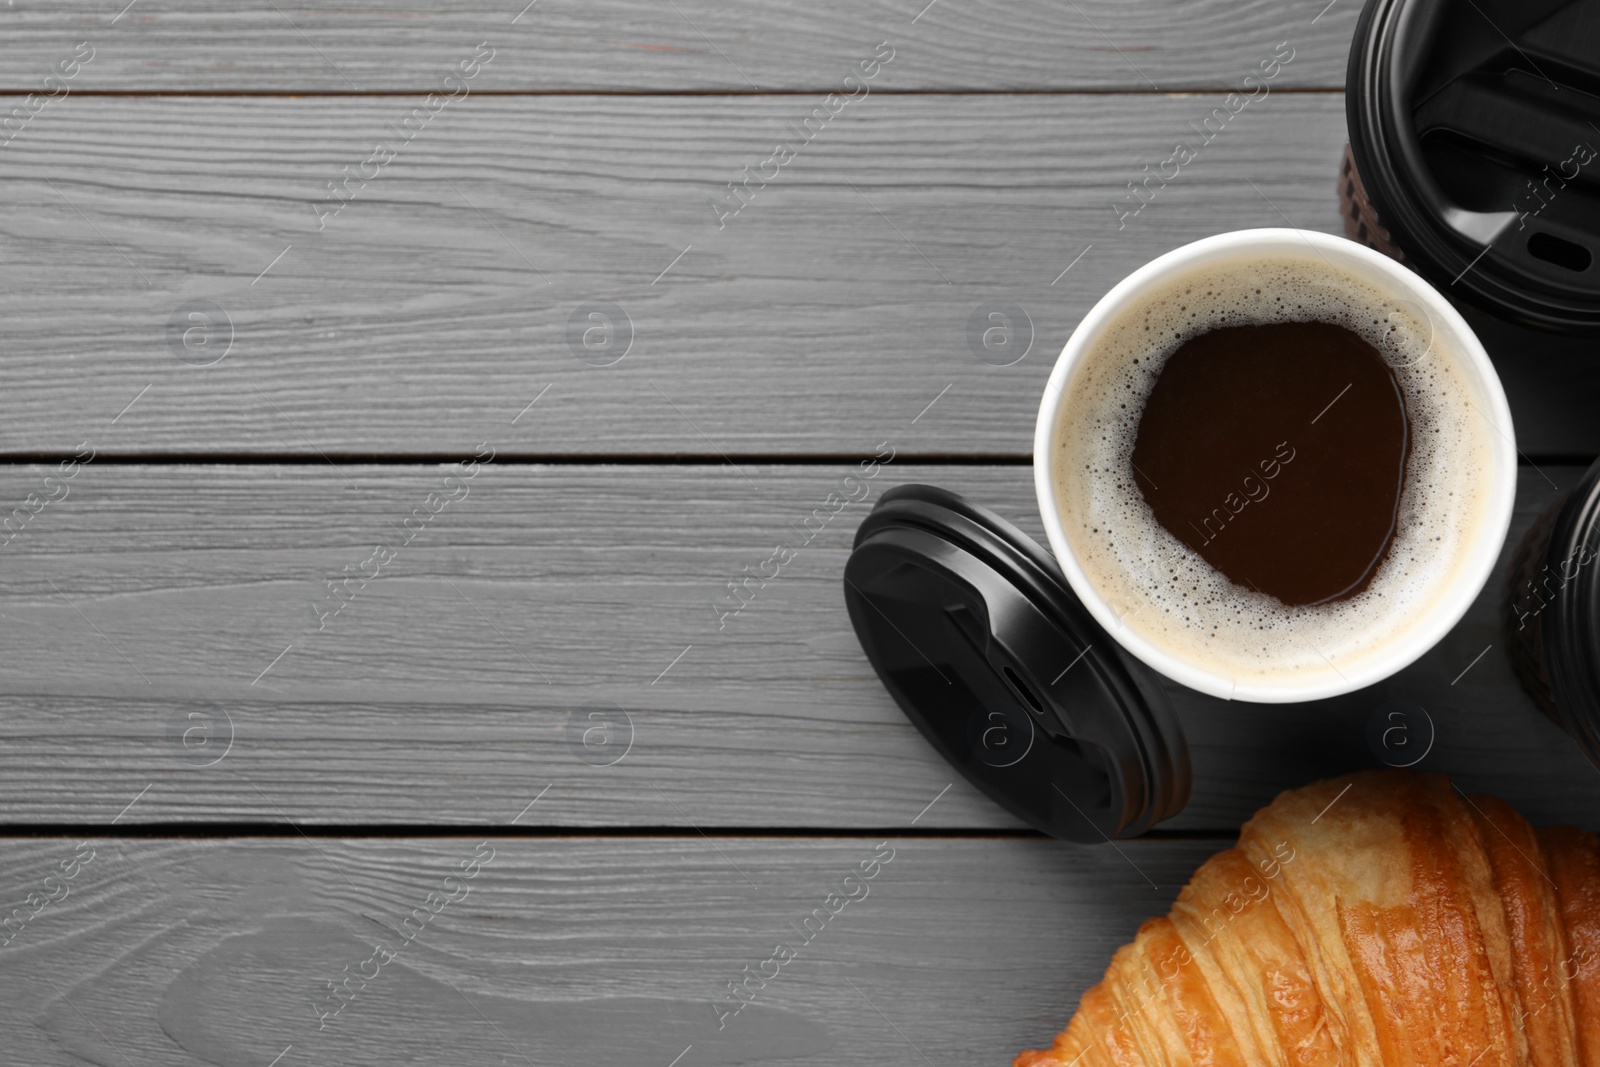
{"type": "Point", "coordinates": [1380, 919]}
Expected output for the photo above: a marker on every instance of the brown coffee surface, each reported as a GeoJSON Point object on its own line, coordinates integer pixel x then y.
{"type": "Point", "coordinates": [1278, 453]}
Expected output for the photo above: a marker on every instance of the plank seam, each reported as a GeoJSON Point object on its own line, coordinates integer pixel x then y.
{"type": "Point", "coordinates": [596, 459]}
{"type": "Point", "coordinates": [285, 94]}
{"type": "Point", "coordinates": [209, 830]}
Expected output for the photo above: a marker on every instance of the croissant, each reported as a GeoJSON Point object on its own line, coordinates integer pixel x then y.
{"type": "Point", "coordinates": [1375, 920]}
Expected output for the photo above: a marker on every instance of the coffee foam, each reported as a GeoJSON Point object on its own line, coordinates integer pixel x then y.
{"type": "Point", "coordinates": [1163, 590]}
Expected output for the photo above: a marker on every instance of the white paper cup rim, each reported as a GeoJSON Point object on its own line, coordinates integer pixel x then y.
{"type": "Point", "coordinates": [1424, 630]}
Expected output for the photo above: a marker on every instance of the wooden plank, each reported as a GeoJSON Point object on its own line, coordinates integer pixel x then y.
{"type": "Point", "coordinates": [692, 45]}
{"type": "Point", "coordinates": [563, 951]}
{"type": "Point", "coordinates": [412, 323]}
{"type": "Point", "coordinates": [456, 286]}
{"type": "Point", "coordinates": [156, 603]}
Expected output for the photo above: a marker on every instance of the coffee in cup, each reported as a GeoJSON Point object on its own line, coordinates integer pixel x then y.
{"type": "Point", "coordinates": [1275, 465]}
{"type": "Point", "coordinates": [1276, 450]}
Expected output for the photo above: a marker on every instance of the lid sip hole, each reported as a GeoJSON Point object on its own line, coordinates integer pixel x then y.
{"type": "Point", "coordinates": [1561, 252]}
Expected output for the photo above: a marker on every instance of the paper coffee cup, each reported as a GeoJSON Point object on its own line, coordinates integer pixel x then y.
{"type": "Point", "coordinates": [1358, 655]}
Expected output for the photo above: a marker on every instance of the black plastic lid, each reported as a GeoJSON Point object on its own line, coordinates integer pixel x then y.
{"type": "Point", "coordinates": [1571, 639]}
{"type": "Point", "coordinates": [1475, 127]}
{"type": "Point", "coordinates": [976, 634]}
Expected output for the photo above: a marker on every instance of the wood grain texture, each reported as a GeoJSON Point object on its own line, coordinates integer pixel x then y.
{"type": "Point", "coordinates": [818, 320]}
{"type": "Point", "coordinates": [156, 605]}
{"type": "Point", "coordinates": [692, 45]}
{"type": "Point", "coordinates": [570, 951]}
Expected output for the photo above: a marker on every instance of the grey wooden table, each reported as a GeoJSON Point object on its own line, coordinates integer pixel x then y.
{"type": "Point", "coordinates": [363, 693]}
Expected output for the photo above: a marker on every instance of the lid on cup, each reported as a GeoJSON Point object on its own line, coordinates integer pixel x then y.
{"type": "Point", "coordinates": [975, 633]}
{"type": "Point", "coordinates": [1475, 129]}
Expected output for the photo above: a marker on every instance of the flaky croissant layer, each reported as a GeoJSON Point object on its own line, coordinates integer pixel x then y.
{"type": "Point", "coordinates": [1382, 919]}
